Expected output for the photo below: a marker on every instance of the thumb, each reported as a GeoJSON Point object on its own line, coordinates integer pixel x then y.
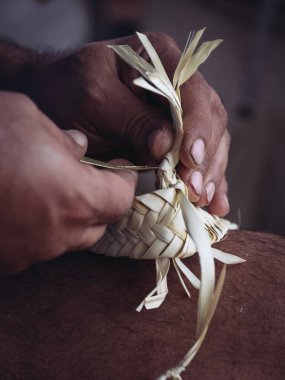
{"type": "Point", "coordinates": [110, 192]}
{"type": "Point", "coordinates": [73, 140]}
{"type": "Point", "coordinates": [148, 130]}
{"type": "Point", "coordinates": [138, 124]}
{"type": "Point", "coordinates": [76, 142]}
{"type": "Point", "coordinates": [160, 139]}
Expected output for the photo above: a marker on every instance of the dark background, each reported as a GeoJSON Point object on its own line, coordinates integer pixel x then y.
{"type": "Point", "coordinates": [247, 71]}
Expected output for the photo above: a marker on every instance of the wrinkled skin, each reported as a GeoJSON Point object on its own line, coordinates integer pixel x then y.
{"type": "Point", "coordinates": [50, 202]}
{"type": "Point", "coordinates": [91, 90]}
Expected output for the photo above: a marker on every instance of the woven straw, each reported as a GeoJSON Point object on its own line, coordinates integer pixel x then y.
{"type": "Point", "coordinates": [163, 225]}
{"type": "Point", "coordinates": [154, 228]}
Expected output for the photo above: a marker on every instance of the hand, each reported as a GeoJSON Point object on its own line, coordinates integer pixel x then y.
{"type": "Point", "coordinates": [49, 201]}
{"type": "Point", "coordinates": [92, 90]}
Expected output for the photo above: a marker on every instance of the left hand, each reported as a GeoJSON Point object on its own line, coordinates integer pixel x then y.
{"type": "Point", "coordinates": [92, 90]}
{"type": "Point", "coordinates": [50, 203]}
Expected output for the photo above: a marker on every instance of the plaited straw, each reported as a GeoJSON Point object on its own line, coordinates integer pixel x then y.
{"type": "Point", "coordinates": [164, 225]}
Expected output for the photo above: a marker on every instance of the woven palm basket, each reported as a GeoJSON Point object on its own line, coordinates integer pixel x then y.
{"type": "Point", "coordinates": [164, 225]}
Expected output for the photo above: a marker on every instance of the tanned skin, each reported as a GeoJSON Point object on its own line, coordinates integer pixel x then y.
{"type": "Point", "coordinates": [91, 90]}
{"type": "Point", "coordinates": [74, 317]}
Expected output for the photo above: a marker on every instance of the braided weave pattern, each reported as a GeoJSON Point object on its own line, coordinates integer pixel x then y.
{"type": "Point", "coordinates": [155, 229]}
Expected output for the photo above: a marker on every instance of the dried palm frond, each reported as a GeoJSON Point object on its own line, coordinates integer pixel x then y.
{"type": "Point", "coordinates": [164, 225]}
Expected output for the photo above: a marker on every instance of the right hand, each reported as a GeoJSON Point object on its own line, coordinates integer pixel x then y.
{"type": "Point", "coordinates": [50, 202]}
{"type": "Point", "coordinates": [96, 94]}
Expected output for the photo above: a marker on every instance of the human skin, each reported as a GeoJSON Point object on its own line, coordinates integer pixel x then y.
{"type": "Point", "coordinates": [50, 203]}
{"type": "Point", "coordinates": [91, 89]}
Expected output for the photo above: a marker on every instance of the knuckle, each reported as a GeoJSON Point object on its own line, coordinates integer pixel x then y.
{"type": "Point", "coordinates": [167, 50]}
{"type": "Point", "coordinates": [139, 126]}
{"type": "Point", "coordinates": [80, 208]}
{"type": "Point", "coordinates": [222, 113]}
{"type": "Point", "coordinates": [216, 175]}
{"type": "Point", "coordinates": [79, 57]}
{"type": "Point", "coordinates": [199, 92]}
{"type": "Point", "coordinates": [24, 102]}
{"type": "Point", "coordinates": [200, 82]}
{"type": "Point", "coordinates": [224, 184]}
{"type": "Point", "coordinates": [88, 54]}
{"type": "Point", "coordinates": [227, 137]}
{"type": "Point", "coordinates": [218, 107]}
{"type": "Point", "coordinates": [87, 242]}
{"type": "Point", "coordinates": [86, 238]}
{"type": "Point", "coordinates": [161, 40]}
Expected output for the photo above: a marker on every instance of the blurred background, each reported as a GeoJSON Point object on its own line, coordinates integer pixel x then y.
{"type": "Point", "coordinates": [247, 71]}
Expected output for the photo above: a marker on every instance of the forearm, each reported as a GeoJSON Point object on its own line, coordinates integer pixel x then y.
{"type": "Point", "coordinates": [19, 66]}
{"type": "Point", "coordinates": [15, 65]}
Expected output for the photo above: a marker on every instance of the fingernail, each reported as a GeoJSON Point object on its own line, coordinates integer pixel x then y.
{"type": "Point", "coordinates": [78, 137]}
{"type": "Point", "coordinates": [198, 151]}
{"type": "Point", "coordinates": [226, 202]}
{"type": "Point", "coordinates": [196, 181]}
{"type": "Point", "coordinates": [210, 191]}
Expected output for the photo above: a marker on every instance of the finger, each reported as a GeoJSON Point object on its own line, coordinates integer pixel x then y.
{"type": "Point", "coordinates": [193, 180]}
{"type": "Point", "coordinates": [200, 103]}
{"type": "Point", "coordinates": [220, 203]}
{"type": "Point", "coordinates": [205, 118]}
{"type": "Point", "coordinates": [108, 204]}
{"type": "Point", "coordinates": [89, 237]}
{"type": "Point", "coordinates": [109, 194]}
{"type": "Point", "coordinates": [137, 124]}
{"type": "Point", "coordinates": [214, 173]}
{"type": "Point", "coordinates": [78, 143]}
{"type": "Point", "coordinates": [203, 183]}
{"type": "Point", "coordinates": [74, 141]}
{"type": "Point", "coordinates": [205, 121]}
{"type": "Point", "coordinates": [202, 107]}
